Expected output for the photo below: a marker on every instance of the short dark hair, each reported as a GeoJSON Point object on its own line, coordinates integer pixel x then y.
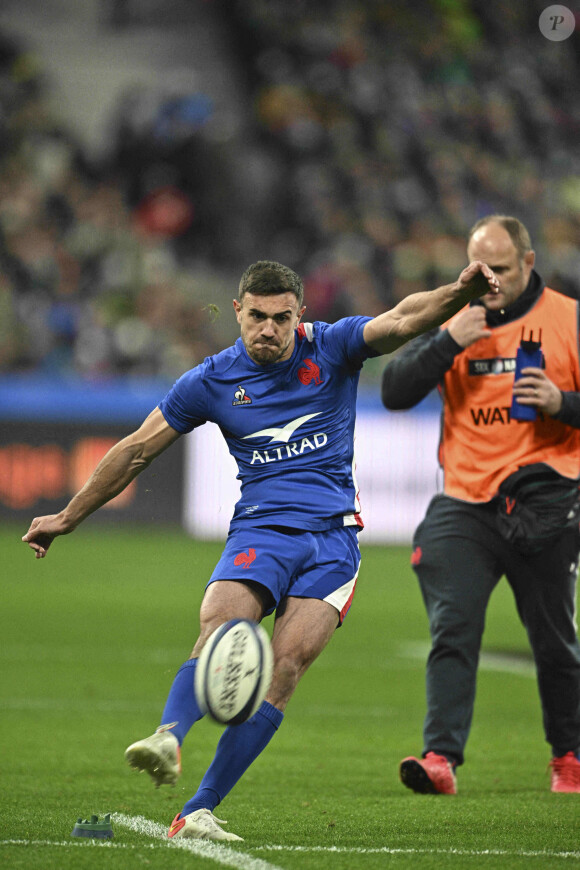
{"type": "Point", "coordinates": [514, 228]}
{"type": "Point", "coordinates": [268, 278]}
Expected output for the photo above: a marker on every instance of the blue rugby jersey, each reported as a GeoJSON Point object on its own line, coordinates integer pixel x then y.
{"type": "Point", "coordinates": [289, 425]}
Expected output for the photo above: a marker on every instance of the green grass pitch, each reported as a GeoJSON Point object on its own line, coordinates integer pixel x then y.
{"type": "Point", "coordinates": [90, 640]}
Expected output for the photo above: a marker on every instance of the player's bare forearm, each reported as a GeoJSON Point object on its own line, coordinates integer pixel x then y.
{"type": "Point", "coordinates": [115, 471]}
{"type": "Point", "coordinates": [124, 461]}
{"type": "Point", "coordinates": [420, 312]}
{"type": "Point", "coordinates": [112, 475]}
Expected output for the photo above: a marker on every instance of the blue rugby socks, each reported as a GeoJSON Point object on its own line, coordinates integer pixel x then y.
{"type": "Point", "coordinates": [238, 747]}
{"type": "Point", "coordinates": [181, 706]}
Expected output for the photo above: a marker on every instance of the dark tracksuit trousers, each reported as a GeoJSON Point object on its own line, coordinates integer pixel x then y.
{"type": "Point", "coordinates": [462, 557]}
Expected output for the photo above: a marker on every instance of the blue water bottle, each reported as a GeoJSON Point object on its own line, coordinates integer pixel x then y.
{"type": "Point", "coordinates": [528, 354]}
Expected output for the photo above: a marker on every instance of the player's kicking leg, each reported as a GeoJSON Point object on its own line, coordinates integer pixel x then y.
{"type": "Point", "coordinates": [159, 755]}
{"type": "Point", "coordinates": [302, 629]}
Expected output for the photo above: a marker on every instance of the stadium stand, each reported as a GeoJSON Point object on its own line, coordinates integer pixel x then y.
{"type": "Point", "coordinates": [375, 134]}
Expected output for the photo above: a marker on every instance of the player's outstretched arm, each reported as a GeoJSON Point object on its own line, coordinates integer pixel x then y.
{"type": "Point", "coordinates": [421, 312]}
{"type": "Point", "coordinates": [124, 461]}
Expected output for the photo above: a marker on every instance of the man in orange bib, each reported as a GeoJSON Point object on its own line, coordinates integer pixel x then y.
{"type": "Point", "coordinates": [508, 370]}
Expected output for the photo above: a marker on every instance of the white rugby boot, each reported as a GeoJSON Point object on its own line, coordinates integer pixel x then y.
{"type": "Point", "coordinates": [159, 755]}
{"type": "Point", "coordinates": [199, 825]}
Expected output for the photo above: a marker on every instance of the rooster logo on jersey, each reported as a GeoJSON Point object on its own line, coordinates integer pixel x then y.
{"type": "Point", "coordinates": [241, 397]}
{"type": "Point", "coordinates": [309, 372]}
{"type": "Point", "coordinates": [245, 559]}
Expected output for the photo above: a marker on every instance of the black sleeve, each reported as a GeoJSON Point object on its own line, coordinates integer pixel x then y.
{"type": "Point", "coordinates": [569, 413]}
{"type": "Point", "coordinates": [417, 369]}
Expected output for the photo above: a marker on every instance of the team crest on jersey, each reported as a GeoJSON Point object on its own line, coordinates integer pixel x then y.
{"type": "Point", "coordinates": [241, 397]}
{"type": "Point", "coordinates": [245, 559]}
{"type": "Point", "coordinates": [309, 372]}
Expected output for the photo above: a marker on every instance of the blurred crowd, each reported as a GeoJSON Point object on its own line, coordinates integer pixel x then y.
{"type": "Point", "coordinates": [91, 279]}
{"type": "Point", "coordinates": [377, 134]}
{"type": "Point", "coordinates": [402, 124]}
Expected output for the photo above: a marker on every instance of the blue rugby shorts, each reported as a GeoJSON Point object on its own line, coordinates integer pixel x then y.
{"type": "Point", "coordinates": [295, 563]}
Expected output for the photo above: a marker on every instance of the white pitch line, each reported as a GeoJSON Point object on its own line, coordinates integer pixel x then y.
{"type": "Point", "coordinates": [385, 850]}
{"type": "Point", "coordinates": [221, 854]}
{"type": "Point", "coordinates": [256, 864]}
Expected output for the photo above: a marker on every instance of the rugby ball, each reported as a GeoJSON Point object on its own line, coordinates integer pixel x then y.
{"type": "Point", "coordinates": [234, 671]}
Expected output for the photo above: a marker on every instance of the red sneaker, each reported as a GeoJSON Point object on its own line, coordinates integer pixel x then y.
{"type": "Point", "coordinates": [566, 773]}
{"type": "Point", "coordinates": [430, 775]}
